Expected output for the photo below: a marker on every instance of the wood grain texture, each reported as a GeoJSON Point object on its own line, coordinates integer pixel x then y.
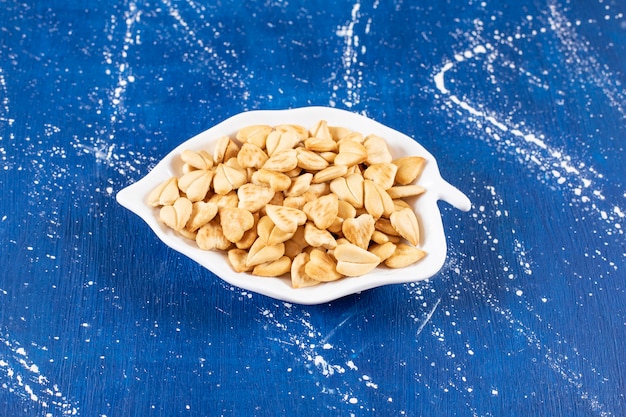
{"type": "Point", "coordinates": [522, 104]}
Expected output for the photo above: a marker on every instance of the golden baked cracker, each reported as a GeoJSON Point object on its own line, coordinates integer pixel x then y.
{"type": "Point", "coordinates": [320, 130]}
{"type": "Point", "coordinates": [176, 215]}
{"type": "Point", "coordinates": [359, 230]}
{"type": "Point", "coordinates": [260, 253]}
{"type": "Point", "coordinates": [409, 169]}
{"type": "Point", "coordinates": [376, 200]}
{"type": "Point", "coordinates": [253, 197]}
{"type": "Point", "coordinates": [255, 134]}
{"type": "Point", "coordinates": [404, 191]}
{"type": "Point", "coordinates": [406, 224]}
{"type": "Point", "coordinates": [383, 251]}
{"type": "Point", "coordinates": [280, 140]}
{"type": "Point", "coordinates": [273, 268]}
{"type": "Point", "coordinates": [318, 237]}
{"type": "Point", "coordinates": [237, 259]}
{"type": "Point", "coordinates": [282, 161]}
{"type": "Point", "coordinates": [404, 255]}
{"type": "Point", "coordinates": [196, 184]}
{"type": "Point", "coordinates": [382, 174]}
{"type": "Point", "coordinates": [349, 189]}
{"type": "Point", "coordinates": [201, 213]}
{"type": "Point", "coordinates": [350, 153]}
{"type": "Point", "coordinates": [299, 185]}
{"type": "Point", "coordinates": [225, 149]}
{"type": "Point", "coordinates": [321, 266]}
{"type": "Point", "coordinates": [270, 233]}
{"type": "Point", "coordinates": [299, 278]}
{"type": "Point", "coordinates": [251, 156]}
{"type": "Point", "coordinates": [329, 173]}
{"type": "Point", "coordinates": [228, 178]}
{"type": "Point", "coordinates": [286, 218]}
{"type": "Point", "coordinates": [296, 129]}
{"type": "Point", "coordinates": [165, 194]}
{"type": "Point", "coordinates": [211, 237]}
{"type": "Point", "coordinates": [353, 260]}
{"type": "Point", "coordinates": [309, 160]}
{"type": "Point", "coordinates": [377, 150]}
{"type": "Point", "coordinates": [235, 222]}
{"type": "Point", "coordinates": [323, 210]}
{"type": "Point", "coordinates": [197, 159]}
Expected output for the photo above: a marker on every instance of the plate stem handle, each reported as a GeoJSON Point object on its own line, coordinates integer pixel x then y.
{"type": "Point", "coordinates": [452, 195]}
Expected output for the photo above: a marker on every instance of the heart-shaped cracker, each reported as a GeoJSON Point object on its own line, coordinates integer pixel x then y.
{"type": "Point", "coordinates": [255, 134]}
{"type": "Point", "coordinates": [176, 215]}
{"type": "Point", "coordinates": [251, 156]}
{"type": "Point", "coordinates": [403, 191]}
{"type": "Point", "coordinates": [323, 210]}
{"type": "Point", "coordinates": [310, 160]}
{"type": "Point", "coordinates": [201, 214]}
{"type": "Point", "coordinates": [197, 159]}
{"type": "Point", "coordinates": [225, 149]}
{"type": "Point", "coordinates": [349, 188]}
{"type": "Point", "coordinates": [282, 161]}
{"type": "Point", "coordinates": [299, 278]}
{"type": "Point", "coordinates": [235, 222]}
{"type": "Point", "coordinates": [318, 237]}
{"type": "Point", "coordinates": [321, 266]}
{"type": "Point", "coordinates": [376, 200]}
{"type": "Point", "coordinates": [286, 218]}
{"type": "Point", "coordinates": [405, 223]}
{"type": "Point", "coordinates": [253, 197]}
{"type": "Point", "coordinates": [382, 174]}
{"type": "Point", "coordinates": [270, 233]}
{"type": "Point", "coordinates": [359, 230]}
{"type": "Point", "coordinates": [260, 253]}
{"type": "Point", "coordinates": [409, 169]}
{"type": "Point", "coordinates": [165, 194]}
{"type": "Point", "coordinates": [377, 150]}
{"type": "Point", "coordinates": [353, 260]}
{"type": "Point", "coordinates": [196, 184]}
{"type": "Point", "coordinates": [275, 268]}
{"type": "Point", "coordinates": [299, 185]}
{"type": "Point", "coordinates": [228, 178]}
{"type": "Point", "coordinates": [237, 258]}
{"type": "Point", "coordinates": [281, 140]}
{"type": "Point", "coordinates": [404, 255]}
{"type": "Point", "coordinates": [350, 153]}
{"type": "Point", "coordinates": [211, 237]}
{"type": "Point", "coordinates": [277, 181]}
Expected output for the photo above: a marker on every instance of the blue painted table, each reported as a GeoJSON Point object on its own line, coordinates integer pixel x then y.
{"type": "Point", "coordinates": [523, 104]}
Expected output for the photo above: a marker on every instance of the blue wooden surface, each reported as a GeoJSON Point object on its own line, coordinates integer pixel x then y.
{"type": "Point", "coordinates": [523, 104]}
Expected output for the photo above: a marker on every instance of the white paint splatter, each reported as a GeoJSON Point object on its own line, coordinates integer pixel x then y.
{"type": "Point", "coordinates": [582, 58]}
{"type": "Point", "coordinates": [326, 368]}
{"type": "Point", "coordinates": [531, 148]}
{"type": "Point", "coordinates": [205, 50]}
{"type": "Point", "coordinates": [352, 77]}
{"type": "Point", "coordinates": [428, 317]}
{"type": "Point", "coordinates": [4, 115]}
{"type": "Point", "coordinates": [558, 362]}
{"type": "Point", "coordinates": [338, 377]}
{"type": "Point", "coordinates": [22, 378]}
{"type": "Point", "coordinates": [123, 72]}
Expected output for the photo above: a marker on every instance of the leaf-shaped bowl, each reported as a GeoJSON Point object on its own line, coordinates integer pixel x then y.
{"type": "Point", "coordinates": [134, 198]}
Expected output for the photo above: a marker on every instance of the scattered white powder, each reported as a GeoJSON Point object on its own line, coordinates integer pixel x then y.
{"type": "Point", "coordinates": [20, 376]}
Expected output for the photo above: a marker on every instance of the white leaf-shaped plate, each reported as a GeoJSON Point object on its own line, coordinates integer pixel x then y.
{"type": "Point", "coordinates": [134, 198]}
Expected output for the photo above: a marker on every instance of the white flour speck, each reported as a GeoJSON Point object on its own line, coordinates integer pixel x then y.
{"type": "Point", "coordinates": [21, 377]}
